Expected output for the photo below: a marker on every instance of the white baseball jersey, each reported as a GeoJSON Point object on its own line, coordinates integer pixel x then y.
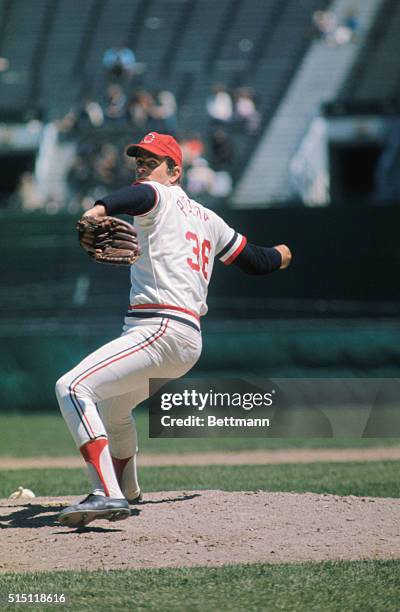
{"type": "Point", "coordinates": [179, 239]}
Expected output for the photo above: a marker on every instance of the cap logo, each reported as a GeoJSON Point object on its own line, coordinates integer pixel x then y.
{"type": "Point", "coordinates": [149, 138]}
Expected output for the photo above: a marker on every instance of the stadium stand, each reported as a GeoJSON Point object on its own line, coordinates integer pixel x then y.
{"type": "Point", "coordinates": [176, 44]}
{"type": "Point", "coordinates": [317, 78]}
{"type": "Point", "coordinates": [114, 17]}
{"type": "Point", "coordinates": [20, 25]}
{"type": "Point", "coordinates": [375, 75]}
{"type": "Point", "coordinates": [61, 75]}
{"type": "Point", "coordinates": [179, 48]}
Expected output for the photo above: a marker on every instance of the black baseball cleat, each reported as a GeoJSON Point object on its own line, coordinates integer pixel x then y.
{"type": "Point", "coordinates": [136, 500]}
{"type": "Point", "coordinates": [94, 507]}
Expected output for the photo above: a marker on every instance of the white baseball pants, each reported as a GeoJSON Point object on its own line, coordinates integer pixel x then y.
{"type": "Point", "coordinates": [96, 397]}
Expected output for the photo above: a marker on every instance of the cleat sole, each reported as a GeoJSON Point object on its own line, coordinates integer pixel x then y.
{"type": "Point", "coordinates": [81, 519]}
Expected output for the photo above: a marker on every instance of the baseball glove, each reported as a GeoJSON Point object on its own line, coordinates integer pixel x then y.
{"type": "Point", "coordinates": [109, 240]}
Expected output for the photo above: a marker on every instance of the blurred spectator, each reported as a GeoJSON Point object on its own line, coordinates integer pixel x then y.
{"type": "Point", "coordinates": [246, 113]}
{"type": "Point", "coordinates": [28, 194]}
{"type": "Point", "coordinates": [95, 165]}
{"type": "Point", "coordinates": [165, 110]}
{"type": "Point", "coordinates": [352, 21]}
{"type": "Point", "coordinates": [222, 184]}
{"type": "Point", "coordinates": [219, 104]}
{"type": "Point", "coordinates": [334, 31]}
{"type": "Point", "coordinates": [200, 178]}
{"type": "Point", "coordinates": [97, 168]}
{"type": "Point", "coordinates": [88, 113]}
{"type": "Point", "coordinates": [221, 149]}
{"type": "Point", "coordinates": [348, 30]}
{"type": "Point", "coordinates": [387, 175]}
{"type": "Point", "coordinates": [140, 108]}
{"type": "Point", "coordinates": [325, 23]}
{"type": "Point", "coordinates": [79, 179]}
{"type": "Point", "coordinates": [115, 103]}
{"type": "Point", "coordinates": [105, 165]}
{"type": "Point", "coordinates": [192, 147]}
{"type": "Point", "coordinates": [67, 124]}
{"type": "Point", "coordinates": [92, 111]}
{"type": "Point", "coordinates": [119, 62]}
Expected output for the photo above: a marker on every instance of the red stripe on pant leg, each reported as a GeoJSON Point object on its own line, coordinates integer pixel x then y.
{"type": "Point", "coordinates": [91, 452]}
{"type": "Point", "coordinates": [75, 400]}
{"type": "Point", "coordinates": [80, 411]}
{"type": "Point", "coordinates": [139, 348]}
{"type": "Point", "coordinates": [119, 466]}
{"type": "Point", "coordinates": [119, 353]}
{"type": "Point", "coordinates": [122, 357]}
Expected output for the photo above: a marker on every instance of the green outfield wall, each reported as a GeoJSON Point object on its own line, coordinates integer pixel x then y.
{"type": "Point", "coordinates": [31, 362]}
{"type": "Point", "coordinates": [339, 254]}
{"type": "Point", "coordinates": [333, 313]}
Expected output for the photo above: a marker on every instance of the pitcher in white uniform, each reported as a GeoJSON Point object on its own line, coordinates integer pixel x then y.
{"type": "Point", "coordinates": [179, 240]}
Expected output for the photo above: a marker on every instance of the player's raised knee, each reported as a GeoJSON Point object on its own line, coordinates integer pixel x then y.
{"type": "Point", "coordinates": [62, 386]}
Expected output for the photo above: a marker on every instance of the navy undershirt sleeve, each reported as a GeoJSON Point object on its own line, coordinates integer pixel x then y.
{"type": "Point", "coordinates": [133, 200]}
{"type": "Point", "coordinates": [258, 260]}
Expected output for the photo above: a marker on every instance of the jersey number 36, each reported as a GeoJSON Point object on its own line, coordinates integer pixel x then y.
{"type": "Point", "coordinates": [199, 262]}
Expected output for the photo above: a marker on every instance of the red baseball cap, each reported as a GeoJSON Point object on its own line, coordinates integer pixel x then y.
{"type": "Point", "coordinates": [159, 144]}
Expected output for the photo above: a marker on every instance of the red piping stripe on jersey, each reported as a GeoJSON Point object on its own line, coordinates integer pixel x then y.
{"type": "Point", "coordinates": [166, 306]}
{"type": "Point", "coordinates": [240, 248]}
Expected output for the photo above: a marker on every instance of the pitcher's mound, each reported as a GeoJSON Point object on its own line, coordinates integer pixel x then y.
{"type": "Point", "coordinates": [176, 529]}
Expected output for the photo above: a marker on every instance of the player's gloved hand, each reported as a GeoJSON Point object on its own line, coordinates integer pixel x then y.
{"type": "Point", "coordinates": [109, 240]}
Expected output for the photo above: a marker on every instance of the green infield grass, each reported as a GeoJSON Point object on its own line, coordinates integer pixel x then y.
{"type": "Point", "coordinates": [380, 479]}
{"type": "Point", "coordinates": [47, 435]}
{"type": "Point", "coordinates": [364, 586]}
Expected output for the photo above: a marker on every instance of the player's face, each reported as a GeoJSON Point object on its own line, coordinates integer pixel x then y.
{"type": "Point", "coordinates": [151, 167]}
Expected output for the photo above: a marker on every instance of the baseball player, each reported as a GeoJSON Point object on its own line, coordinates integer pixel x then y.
{"type": "Point", "coordinates": [179, 240]}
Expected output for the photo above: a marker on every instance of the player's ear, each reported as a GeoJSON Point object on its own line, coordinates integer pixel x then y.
{"type": "Point", "coordinates": [175, 175]}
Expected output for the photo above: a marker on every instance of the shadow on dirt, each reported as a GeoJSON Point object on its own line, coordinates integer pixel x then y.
{"type": "Point", "coordinates": [36, 515]}
{"type": "Point", "coordinates": [169, 500]}
{"type": "Point", "coordinates": [88, 529]}
{"type": "Point", "coordinates": [29, 516]}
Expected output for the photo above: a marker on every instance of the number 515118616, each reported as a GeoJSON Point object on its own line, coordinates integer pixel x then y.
{"type": "Point", "coordinates": [201, 251]}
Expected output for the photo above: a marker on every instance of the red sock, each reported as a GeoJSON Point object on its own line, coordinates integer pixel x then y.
{"type": "Point", "coordinates": [96, 453]}
{"type": "Point", "coordinates": [126, 473]}
{"type": "Point", "coordinates": [119, 465]}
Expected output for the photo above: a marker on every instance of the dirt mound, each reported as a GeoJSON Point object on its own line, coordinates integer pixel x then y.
{"type": "Point", "coordinates": [176, 529]}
